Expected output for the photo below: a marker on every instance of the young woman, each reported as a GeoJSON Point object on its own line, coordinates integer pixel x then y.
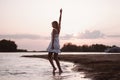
{"type": "Point", "coordinates": [54, 47]}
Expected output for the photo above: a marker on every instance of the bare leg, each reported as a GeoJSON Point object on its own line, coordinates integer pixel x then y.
{"type": "Point", "coordinates": [51, 61]}
{"type": "Point", "coordinates": [57, 62]}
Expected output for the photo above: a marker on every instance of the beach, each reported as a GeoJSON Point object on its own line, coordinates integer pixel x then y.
{"type": "Point", "coordinates": [95, 66]}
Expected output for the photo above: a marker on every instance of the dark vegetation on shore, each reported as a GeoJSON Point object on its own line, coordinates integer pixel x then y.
{"type": "Point", "coordinates": [9, 46]}
{"type": "Point", "coordinates": [95, 66]}
{"type": "Point", "coordinates": [69, 47]}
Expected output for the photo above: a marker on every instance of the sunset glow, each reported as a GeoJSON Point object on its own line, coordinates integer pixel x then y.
{"type": "Point", "coordinates": [28, 22]}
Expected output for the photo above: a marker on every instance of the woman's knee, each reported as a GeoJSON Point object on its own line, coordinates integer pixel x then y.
{"type": "Point", "coordinates": [49, 55]}
{"type": "Point", "coordinates": [55, 56]}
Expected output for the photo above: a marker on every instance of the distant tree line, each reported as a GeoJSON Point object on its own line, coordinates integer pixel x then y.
{"type": "Point", "coordinates": [9, 46]}
{"type": "Point", "coordinates": [69, 47]}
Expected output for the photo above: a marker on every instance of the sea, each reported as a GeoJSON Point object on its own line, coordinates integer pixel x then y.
{"type": "Point", "coordinates": [15, 67]}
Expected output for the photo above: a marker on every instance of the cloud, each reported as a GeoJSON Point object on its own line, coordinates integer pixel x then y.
{"type": "Point", "coordinates": [96, 34]}
{"type": "Point", "coordinates": [67, 36]}
{"type": "Point", "coordinates": [86, 35]}
{"type": "Point", "coordinates": [90, 35]}
{"type": "Point", "coordinates": [23, 36]}
{"type": "Point", "coordinates": [114, 36]}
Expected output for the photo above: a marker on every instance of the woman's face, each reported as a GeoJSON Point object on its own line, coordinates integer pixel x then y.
{"type": "Point", "coordinates": [54, 25]}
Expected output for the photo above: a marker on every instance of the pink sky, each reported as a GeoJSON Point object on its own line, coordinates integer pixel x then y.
{"type": "Point", "coordinates": [28, 22]}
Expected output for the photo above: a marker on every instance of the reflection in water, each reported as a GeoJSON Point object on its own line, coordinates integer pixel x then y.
{"type": "Point", "coordinates": [14, 67]}
{"type": "Point", "coordinates": [57, 78]}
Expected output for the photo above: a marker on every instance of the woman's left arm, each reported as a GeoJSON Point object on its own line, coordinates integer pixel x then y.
{"type": "Point", "coordinates": [59, 24]}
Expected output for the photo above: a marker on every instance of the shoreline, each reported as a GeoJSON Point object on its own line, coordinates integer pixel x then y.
{"type": "Point", "coordinates": [95, 66]}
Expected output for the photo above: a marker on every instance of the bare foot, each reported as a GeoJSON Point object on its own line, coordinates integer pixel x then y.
{"type": "Point", "coordinates": [60, 72]}
{"type": "Point", "coordinates": [54, 71]}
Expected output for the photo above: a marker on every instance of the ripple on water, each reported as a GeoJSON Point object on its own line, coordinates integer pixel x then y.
{"type": "Point", "coordinates": [14, 67]}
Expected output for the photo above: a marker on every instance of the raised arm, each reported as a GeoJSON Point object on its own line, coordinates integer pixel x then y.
{"type": "Point", "coordinates": [59, 24]}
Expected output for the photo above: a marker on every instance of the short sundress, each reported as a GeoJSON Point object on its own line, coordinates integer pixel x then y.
{"type": "Point", "coordinates": [55, 44]}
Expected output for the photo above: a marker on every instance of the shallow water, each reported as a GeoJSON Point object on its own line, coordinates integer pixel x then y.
{"type": "Point", "coordinates": [15, 67]}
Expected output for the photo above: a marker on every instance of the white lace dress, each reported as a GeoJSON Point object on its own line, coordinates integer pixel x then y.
{"type": "Point", "coordinates": [55, 44]}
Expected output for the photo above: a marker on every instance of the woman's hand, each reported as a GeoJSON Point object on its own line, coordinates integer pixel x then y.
{"type": "Point", "coordinates": [61, 11]}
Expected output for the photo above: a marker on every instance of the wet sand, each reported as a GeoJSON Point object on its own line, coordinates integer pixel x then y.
{"type": "Point", "coordinates": [95, 66]}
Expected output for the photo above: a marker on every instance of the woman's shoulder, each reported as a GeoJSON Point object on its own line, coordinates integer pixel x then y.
{"type": "Point", "coordinates": [55, 30]}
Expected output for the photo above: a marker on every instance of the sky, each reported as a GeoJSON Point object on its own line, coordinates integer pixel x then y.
{"type": "Point", "coordinates": [28, 22]}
